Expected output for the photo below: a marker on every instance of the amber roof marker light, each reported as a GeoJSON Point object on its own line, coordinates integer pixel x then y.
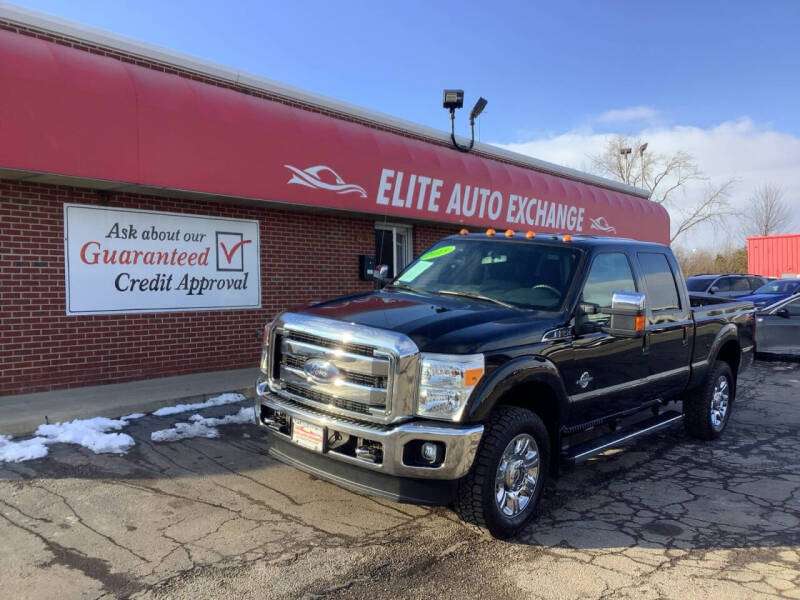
{"type": "Point", "coordinates": [567, 238]}
{"type": "Point", "coordinates": [463, 232]}
{"type": "Point", "coordinates": [530, 235]}
{"type": "Point", "coordinates": [509, 233]}
{"type": "Point", "coordinates": [490, 232]}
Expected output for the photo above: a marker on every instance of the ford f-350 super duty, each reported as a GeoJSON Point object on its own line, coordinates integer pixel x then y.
{"type": "Point", "coordinates": [491, 360]}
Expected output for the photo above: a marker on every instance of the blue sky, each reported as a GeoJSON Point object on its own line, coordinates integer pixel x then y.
{"type": "Point", "coordinates": [545, 67]}
{"type": "Point", "coordinates": [558, 75]}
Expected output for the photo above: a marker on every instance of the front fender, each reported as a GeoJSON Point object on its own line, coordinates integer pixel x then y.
{"type": "Point", "coordinates": [518, 371]}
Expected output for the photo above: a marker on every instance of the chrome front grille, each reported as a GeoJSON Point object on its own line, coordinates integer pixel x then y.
{"type": "Point", "coordinates": [365, 369]}
{"type": "Point", "coordinates": [302, 336]}
{"type": "Point", "coordinates": [327, 400]}
{"type": "Point", "coordinates": [298, 362]}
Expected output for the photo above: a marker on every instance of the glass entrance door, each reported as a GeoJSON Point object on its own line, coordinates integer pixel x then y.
{"type": "Point", "coordinates": [393, 246]}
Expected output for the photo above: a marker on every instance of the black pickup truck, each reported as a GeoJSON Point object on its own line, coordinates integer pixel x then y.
{"type": "Point", "coordinates": [490, 361]}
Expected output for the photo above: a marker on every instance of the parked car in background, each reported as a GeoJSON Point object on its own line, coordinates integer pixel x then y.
{"type": "Point", "coordinates": [773, 291]}
{"type": "Point", "coordinates": [778, 328]}
{"type": "Point", "coordinates": [730, 285]}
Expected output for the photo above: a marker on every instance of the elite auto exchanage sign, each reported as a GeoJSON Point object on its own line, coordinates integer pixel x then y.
{"type": "Point", "coordinates": [130, 261]}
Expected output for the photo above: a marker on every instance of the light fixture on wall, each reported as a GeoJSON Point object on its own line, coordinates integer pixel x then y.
{"type": "Point", "coordinates": [454, 99]}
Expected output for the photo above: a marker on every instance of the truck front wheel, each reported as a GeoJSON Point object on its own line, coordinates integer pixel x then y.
{"type": "Point", "coordinates": [708, 409]}
{"type": "Point", "coordinates": [503, 487]}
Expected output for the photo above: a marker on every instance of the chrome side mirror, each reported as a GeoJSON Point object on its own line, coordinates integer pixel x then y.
{"type": "Point", "coordinates": [627, 312]}
{"type": "Point", "coordinates": [713, 290]}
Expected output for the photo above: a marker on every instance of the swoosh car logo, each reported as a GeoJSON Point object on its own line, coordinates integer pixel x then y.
{"type": "Point", "coordinates": [601, 224]}
{"type": "Point", "coordinates": [313, 177]}
{"type": "Point", "coordinates": [319, 369]}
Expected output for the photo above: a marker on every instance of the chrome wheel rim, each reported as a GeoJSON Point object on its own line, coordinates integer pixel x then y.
{"type": "Point", "coordinates": [719, 402]}
{"type": "Point", "coordinates": [517, 474]}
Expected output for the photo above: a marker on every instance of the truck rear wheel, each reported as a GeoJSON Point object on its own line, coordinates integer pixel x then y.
{"type": "Point", "coordinates": [503, 487]}
{"type": "Point", "coordinates": [708, 409]}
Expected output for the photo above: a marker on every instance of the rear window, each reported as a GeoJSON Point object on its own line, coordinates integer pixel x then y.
{"type": "Point", "coordinates": [662, 293]}
{"type": "Point", "coordinates": [724, 284]}
{"type": "Point", "coordinates": [697, 285]}
{"type": "Point", "coordinates": [740, 284]}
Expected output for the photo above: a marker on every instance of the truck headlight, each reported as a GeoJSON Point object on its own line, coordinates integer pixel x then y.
{"type": "Point", "coordinates": [445, 383]}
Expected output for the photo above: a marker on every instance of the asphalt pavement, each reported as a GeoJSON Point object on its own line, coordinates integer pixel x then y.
{"type": "Point", "coordinates": [668, 517]}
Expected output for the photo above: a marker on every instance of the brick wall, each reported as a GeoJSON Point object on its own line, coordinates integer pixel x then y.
{"type": "Point", "coordinates": [305, 257]}
{"type": "Point", "coordinates": [427, 235]}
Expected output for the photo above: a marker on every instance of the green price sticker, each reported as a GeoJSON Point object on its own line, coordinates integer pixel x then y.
{"type": "Point", "coordinates": [437, 253]}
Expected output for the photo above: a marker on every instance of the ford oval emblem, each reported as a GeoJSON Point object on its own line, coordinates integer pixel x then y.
{"type": "Point", "coordinates": [320, 369]}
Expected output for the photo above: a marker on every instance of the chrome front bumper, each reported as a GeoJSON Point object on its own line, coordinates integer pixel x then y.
{"type": "Point", "coordinates": [461, 442]}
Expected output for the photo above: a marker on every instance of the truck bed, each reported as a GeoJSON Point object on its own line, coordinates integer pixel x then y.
{"type": "Point", "coordinates": [711, 316]}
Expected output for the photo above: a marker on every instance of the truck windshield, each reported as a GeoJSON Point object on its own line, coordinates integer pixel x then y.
{"type": "Point", "coordinates": [520, 274]}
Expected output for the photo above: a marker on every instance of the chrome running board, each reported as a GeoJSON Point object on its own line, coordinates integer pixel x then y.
{"type": "Point", "coordinates": [594, 447]}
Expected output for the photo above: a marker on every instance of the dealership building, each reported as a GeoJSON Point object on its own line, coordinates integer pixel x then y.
{"type": "Point", "coordinates": [156, 210]}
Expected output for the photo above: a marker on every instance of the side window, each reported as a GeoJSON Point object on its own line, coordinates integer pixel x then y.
{"type": "Point", "coordinates": [609, 273]}
{"type": "Point", "coordinates": [740, 285]}
{"type": "Point", "coordinates": [794, 308]}
{"type": "Point", "coordinates": [756, 282]}
{"type": "Point", "coordinates": [662, 293]}
{"type": "Point", "coordinates": [723, 284]}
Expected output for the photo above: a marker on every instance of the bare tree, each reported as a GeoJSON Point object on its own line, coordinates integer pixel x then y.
{"type": "Point", "coordinates": [664, 176]}
{"type": "Point", "coordinates": [712, 208]}
{"type": "Point", "coordinates": [767, 212]}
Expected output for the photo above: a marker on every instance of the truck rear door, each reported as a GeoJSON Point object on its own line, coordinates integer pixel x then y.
{"type": "Point", "coordinates": [669, 334]}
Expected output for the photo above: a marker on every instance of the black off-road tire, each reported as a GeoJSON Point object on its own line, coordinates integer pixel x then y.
{"type": "Point", "coordinates": [697, 404]}
{"type": "Point", "coordinates": [475, 502]}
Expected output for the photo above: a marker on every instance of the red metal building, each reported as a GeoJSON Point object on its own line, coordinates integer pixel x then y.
{"type": "Point", "coordinates": [108, 143]}
{"type": "Point", "coordinates": [774, 255]}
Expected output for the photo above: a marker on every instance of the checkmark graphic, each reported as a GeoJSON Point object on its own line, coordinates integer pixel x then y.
{"type": "Point", "coordinates": [229, 253]}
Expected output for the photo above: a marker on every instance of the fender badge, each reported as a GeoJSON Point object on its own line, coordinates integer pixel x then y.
{"type": "Point", "coordinates": [585, 380]}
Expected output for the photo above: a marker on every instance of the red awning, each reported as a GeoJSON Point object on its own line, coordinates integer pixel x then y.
{"type": "Point", "coordinates": [69, 112]}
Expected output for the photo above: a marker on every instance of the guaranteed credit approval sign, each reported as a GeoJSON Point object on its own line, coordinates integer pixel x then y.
{"type": "Point", "coordinates": [132, 261]}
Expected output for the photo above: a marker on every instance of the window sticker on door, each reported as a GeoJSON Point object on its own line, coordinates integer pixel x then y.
{"type": "Point", "coordinates": [437, 253]}
{"type": "Point", "coordinates": [415, 271]}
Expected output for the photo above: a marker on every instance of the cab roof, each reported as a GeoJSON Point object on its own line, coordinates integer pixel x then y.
{"type": "Point", "coordinates": [580, 240]}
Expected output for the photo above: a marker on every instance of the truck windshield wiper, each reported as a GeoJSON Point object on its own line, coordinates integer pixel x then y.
{"type": "Point", "coordinates": [476, 296]}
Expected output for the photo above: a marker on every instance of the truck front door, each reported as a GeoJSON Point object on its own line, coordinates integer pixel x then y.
{"type": "Point", "coordinates": [605, 372]}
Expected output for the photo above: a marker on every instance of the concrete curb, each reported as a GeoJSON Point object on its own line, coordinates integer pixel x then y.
{"type": "Point", "coordinates": [22, 414]}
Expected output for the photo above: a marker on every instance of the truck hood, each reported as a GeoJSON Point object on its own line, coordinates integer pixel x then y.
{"type": "Point", "coordinates": [442, 324]}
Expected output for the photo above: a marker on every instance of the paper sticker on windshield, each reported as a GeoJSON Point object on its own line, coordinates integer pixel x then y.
{"type": "Point", "coordinates": [415, 271]}
{"type": "Point", "coordinates": [437, 253]}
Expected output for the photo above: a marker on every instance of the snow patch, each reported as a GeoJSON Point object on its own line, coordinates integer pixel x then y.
{"type": "Point", "coordinates": [133, 416]}
{"type": "Point", "coordinates": [20, 451]}
{"type": "Point", "coordinates": [89, 433]}
{"type": "Point", "coordinates": [216, 401]}
{"type": "Point", "coordinates": [102, 435]}
{"type": "Point", "coordinates": [199, 426]}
